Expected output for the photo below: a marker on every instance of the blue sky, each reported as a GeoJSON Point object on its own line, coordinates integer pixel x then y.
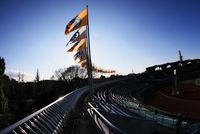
{"type": "Point", "coordinates": [125, 35]}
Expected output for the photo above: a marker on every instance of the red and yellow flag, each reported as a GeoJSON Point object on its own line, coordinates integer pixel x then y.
{"type": "Point", "coordinates": [77, 22]}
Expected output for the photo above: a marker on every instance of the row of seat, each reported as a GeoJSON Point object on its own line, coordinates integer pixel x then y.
{"type": "Point", "coordinates": [101, 100]}
{"type": "Point", "coordinates": [133, 105]}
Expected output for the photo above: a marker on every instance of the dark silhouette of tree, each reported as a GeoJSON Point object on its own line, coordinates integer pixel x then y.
{"type": "Point", "coordinates": [102, 77]}
{"type": "Point", "coordinates": [67, 74]}
{"type": "Point", "coordinates": [83, 73]}
{"type": "Point", "coordinates": [3, 99]}
{"type": "Point", "coordinates": [59, 74]}
{"type": "Point", "coordinates": [71, 72]}
{"type": "Point", "coordinates": [22, 77]}
{"type": "Point", "coordinates": [2, 66]}
{"type": "Point", "coordinates": [37, 77]}
{"type": "Point", "coordinates": [19, 77]}
{"type": "Point", "coordinates": [52, 77]}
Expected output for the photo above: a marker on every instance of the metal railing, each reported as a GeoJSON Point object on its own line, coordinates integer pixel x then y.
{"type": "Point", "coordinates": [51, 119]}
{"type": "Point", "coordinates": [54, 117]}
{"type": "Point", "coordinates": [103, 124]}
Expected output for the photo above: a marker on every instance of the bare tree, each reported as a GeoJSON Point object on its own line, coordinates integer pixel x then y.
{"type": "Point", "coordinates": [59, 74]}
{"type": "Point", "coordinates": [70, 73]}
{"type": "Point", "coordinates": [83, 73]}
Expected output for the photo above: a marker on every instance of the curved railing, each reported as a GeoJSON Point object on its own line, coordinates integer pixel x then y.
{"type": "Point", "coordinates": [104, 124]}
{"type": "Point", "coordinates": [50, 119]}
{"type": "Point", "coordinates": [54, 117]}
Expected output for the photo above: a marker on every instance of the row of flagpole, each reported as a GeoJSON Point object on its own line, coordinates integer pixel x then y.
{"type": "Point", "coordinates": [81, 43]}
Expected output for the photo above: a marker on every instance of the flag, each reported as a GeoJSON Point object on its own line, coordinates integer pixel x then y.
{"type": "Point", "coordinates": [100, 70]}
{"type": "Point", "coordinates": [81, 59]}
{"type": "Point", "coordinates": [80, 56]}
{"type": "Point", "coordinates": [83, 64]}
{"type": "Point", "coordinates": [78, 46]}
{"type": "Point", "coordinates": [81, 47]}
{"type": "Point", "coordinates": [77, 22]}
{"type": "Point", "coordinates": [80, 34]}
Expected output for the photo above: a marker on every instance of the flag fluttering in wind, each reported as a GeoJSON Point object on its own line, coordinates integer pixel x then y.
{"type": "Point", "coordinates": [100, 70]}
{"type": "Point", "coordinates": [81, 45]}
{"type": "Point", "coordinates": [80, 56]}
{"type": "Point", "coordinates": [78, 46]}
{"type": "Point", "coordinates": [97, 69]}
{"type": "Point", "coordinates": [78, 36]}
{"type": "Point", "coordinates": [78, 41]}
{"type": "Point", "coordinates": [83, 64]}
{"type": "Point", "coordinates": [77, 22]}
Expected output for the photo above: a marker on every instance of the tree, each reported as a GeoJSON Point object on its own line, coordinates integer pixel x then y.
{"type": "Point", "coordinates": [19, 77]}
{"type": "Point", "coordinates": [71, 72]}
{"type": "Point", "coordinates": [59, 74]}
{"type": "Point", "coordinates": [67, 74]}
{"type": "Point", "coordinates": [37, 77]}
{"type": "Point", "coordinates": [102, 77]}
{"type": "Point", "coordinates": [2, 66]}
{"type": "Point", "coordinates": [22, 77]}
{"type": "Point", "coordinates": [3, 99]}
{"type": "Point", "coordinates": [52, 77]}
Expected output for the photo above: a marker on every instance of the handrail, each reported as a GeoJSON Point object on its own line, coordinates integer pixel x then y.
{"type": "Point", "coordinates": [53, 117]}
{"type": "Point", "coordinates": [50, 119]}
{"type": "Point", "coordinates": [112, 128]}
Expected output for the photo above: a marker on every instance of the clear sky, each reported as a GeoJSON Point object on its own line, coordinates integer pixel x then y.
{"type": "Point", "coordinates": [125, 35]}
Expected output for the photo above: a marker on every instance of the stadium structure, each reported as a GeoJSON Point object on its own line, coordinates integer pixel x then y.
{"type": "Point", "coordinates": [165, 99]}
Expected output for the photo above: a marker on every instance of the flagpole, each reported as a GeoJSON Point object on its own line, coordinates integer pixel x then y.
{"type": "Point", "coordinates": [89, 62]}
